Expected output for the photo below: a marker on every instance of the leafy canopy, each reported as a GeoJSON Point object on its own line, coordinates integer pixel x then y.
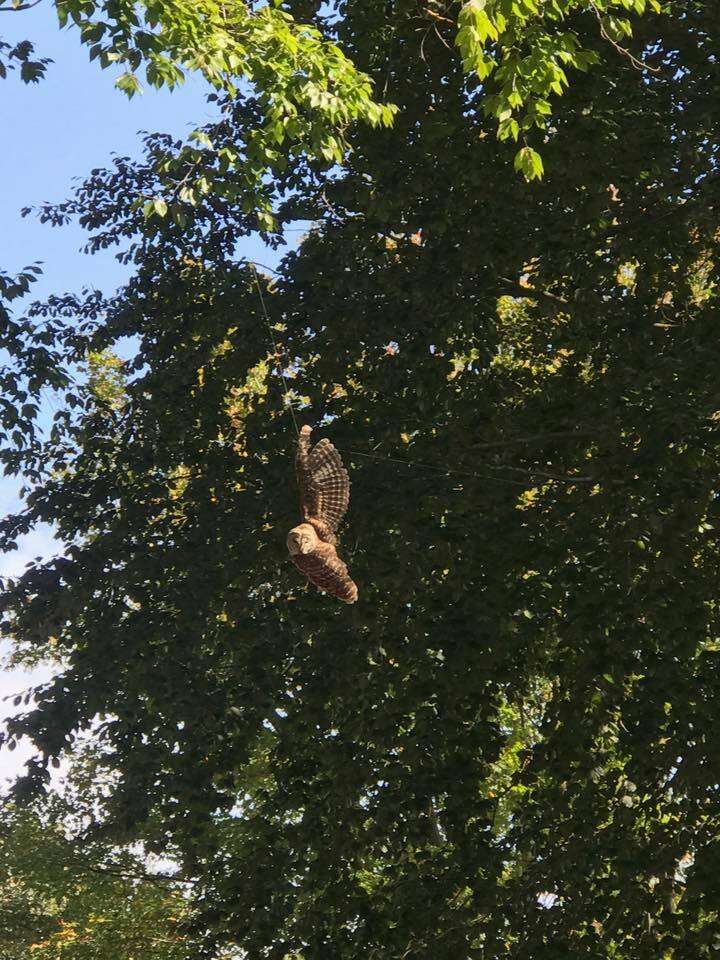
{"type": "Point", "coordinates": [309, 91]}
{"type": "Point", "coordinates": [526, 48]}
{"type": "Point", "coordinates": [61, 898]}
{"type": "Point", "coordinates": [508, 746]}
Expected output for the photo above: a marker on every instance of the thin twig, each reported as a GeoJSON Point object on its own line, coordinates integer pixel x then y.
{"type": "Point", "coordinates": [264, 266]}
{"type": "Point", "coordinates": [437, 16]}
{"type": "Point", "coordinates": [441, 38]}
{"type": "Point", "coordinates": [128, 875]}
{"type": "Point", "coordinates": [623, 51]}
{"type": "Point", "coordinates": [23, 6]}
{"type": "Point", "coordinates": [535, 290]}
{"type": "Point", "coordinates": [333, 211]}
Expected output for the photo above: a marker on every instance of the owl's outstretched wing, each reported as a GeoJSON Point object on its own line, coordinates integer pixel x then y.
{"type": "Point", "coordinates": [330, 479]}
{"type": "Point", "coordinates": [323, 480]}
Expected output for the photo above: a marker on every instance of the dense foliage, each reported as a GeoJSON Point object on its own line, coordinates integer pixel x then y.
{"type": "Point", "coordinates": [57, 900]}
{"type": "Point", "coordinates": [508, 747]}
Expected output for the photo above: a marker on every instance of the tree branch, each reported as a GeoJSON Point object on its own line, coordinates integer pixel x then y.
{"type": "Point", "coordinates": [17, 8]}
{"type": "Point", "coordinates": [529, 291]}
{"type": "Point", "coordinates": [134, 875]}
{"type": "Point", "coordinates": [623, 51]}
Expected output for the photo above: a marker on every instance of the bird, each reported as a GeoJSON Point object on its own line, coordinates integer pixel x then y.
{"type": "Point", "coordinates": [324, 497]}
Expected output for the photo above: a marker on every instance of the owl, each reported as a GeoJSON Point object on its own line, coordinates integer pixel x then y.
{"type": "Point", "coordinates": [324, 498]}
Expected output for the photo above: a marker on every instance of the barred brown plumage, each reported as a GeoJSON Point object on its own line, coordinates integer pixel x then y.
{"type": "Point", "coordinates": [324, 498]}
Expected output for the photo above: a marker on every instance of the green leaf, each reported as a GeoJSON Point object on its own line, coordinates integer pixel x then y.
{"type": "Point", "coordinates": [199, 136]}
{"type": "Point", "coordinates": [529, 163]}
{"type": "Point", "coordinates": [129, 84]}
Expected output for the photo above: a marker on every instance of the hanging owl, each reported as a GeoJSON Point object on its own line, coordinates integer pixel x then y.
{"type": "Point", "coordinates": [324, 498]}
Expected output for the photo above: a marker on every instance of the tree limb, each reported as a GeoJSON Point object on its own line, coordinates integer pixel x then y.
{"type": "Point", "coordinates": [19, 7]}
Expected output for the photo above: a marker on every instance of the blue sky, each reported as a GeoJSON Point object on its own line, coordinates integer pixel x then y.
{"type": "Point", "coordinates": [54, 132]}
{"type": "Point", "coordinates": [59, 130]}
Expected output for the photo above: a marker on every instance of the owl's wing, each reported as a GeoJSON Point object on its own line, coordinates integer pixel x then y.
{"type": "Point", "coordinates": [328, 573]}
{"type": "Point", "coordinates": [323, 480]}
{"type": "Point", "coordinates": [331, 481]}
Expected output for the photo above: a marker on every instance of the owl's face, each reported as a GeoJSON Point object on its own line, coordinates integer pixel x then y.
{"type": "Point", "coordinates": [302, 539]}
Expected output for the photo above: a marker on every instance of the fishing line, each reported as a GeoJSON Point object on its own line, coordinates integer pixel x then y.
{"type": "Point", "coordinates": [472, 473]}
{"type": "Point", "coordinates": [278, 352]}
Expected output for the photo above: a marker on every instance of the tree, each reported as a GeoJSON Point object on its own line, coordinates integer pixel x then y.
{"type": "Point", "coordinates": [59, 900]}
{"type": "Point", "coordinates": [507, 746]}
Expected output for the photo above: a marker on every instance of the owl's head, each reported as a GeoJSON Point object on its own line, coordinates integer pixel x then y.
{"type": "Point", "coordinates": [302, 539]}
